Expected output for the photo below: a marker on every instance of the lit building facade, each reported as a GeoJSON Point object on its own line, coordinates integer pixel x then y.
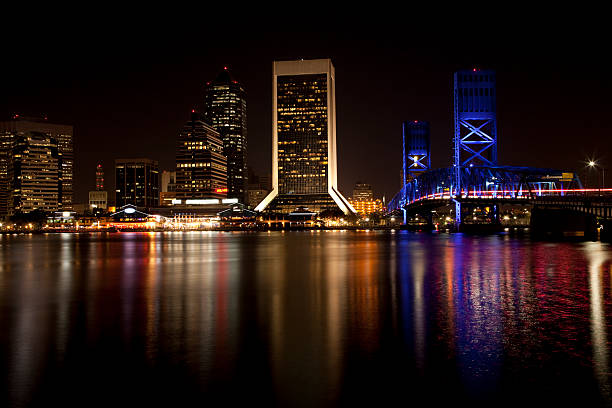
{"type": "Point", "coordinates": [363, 200]}
{"type": "Point", "coordinates": [137, 182]}
{"type": "Point", "coordinates": [201, 167]}
{"type": "Point", "coordinates": [304, 169]}
{"type": "Point", "coordinates": [34, 174]}
{"type": "Point", "coordinates": [225, 111]}
{"type": "Point", "coordinates": [98, 199]}
{"type": "Point", "coordinates": [367, 206]}
{"type": "Point", "coordinates": [417, 149]}
{"type": "Point", "coordinates": [20, 132]}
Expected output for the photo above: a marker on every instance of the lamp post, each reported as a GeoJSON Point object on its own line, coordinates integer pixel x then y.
{"type": "Point", "coordinates": [593, 164]}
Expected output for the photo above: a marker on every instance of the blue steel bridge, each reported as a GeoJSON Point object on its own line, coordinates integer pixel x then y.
{"type": "Point", "coordinates": [476, 180]}
{"type": "Point", "coordinates": [494, 183]}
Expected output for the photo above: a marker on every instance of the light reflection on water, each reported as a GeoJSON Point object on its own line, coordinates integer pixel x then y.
{"type": "Point", "coordinates": [304, 318]}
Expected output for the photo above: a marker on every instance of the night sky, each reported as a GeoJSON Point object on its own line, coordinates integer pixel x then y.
{"type": "Point", "coordinates": [128, 90]}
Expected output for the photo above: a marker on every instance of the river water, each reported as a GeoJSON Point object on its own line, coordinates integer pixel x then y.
{"type": "Point", "coordinates": [303, 319]}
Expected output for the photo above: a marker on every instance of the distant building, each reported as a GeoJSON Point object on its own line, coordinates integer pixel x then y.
{"type": "Point", "coordinates": [99, 178]}
{"type": "Point", "coordinates": [363, 200]}
{"type": "Point", "coordinates": [225, 111]}
{"type": "Point", "coordinates": [201, 167]}
{"type": "Point", "coordinates": [51, 169]}
{"type": "Point", "coordinates": [362, 192]}
{"type": "Point", "coordinates": [368, 206]}
{"type": "Point", "coordinates": [99, 197]}
{"type": "Point", "coordinates": [137, 182]}
{"type": "Point", "coordinates": [304, 170]}
{"type": "Point", "coordinates": [258, 188]}
{"type": "Point", "coordinates": [168, 187]}
{"type": "Point", "coordinates": [417, 148]}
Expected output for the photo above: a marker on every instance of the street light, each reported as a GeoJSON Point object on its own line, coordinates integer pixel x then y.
{"type": "Point", "coordinates": [593, 164]}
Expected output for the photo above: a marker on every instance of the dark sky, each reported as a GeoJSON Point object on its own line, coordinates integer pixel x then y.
{"type": "Point", "coordinates": [128, 89]}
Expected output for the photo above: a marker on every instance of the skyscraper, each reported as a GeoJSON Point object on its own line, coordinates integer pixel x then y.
{"type": "Point", "coordinates": [25, 136]}
{"type": "Point", "coordinates": [34, 174]}
{"type": "Point", "coordinates": [225, 111]}
{"type": "Point", "coordinates": [136, 182]}
{"type": "Point", "coordinates": [417, 148]}
{"type": "Point", "coordinates": [304, 170]}
{"type": "Point", "coordinates": [201, 167]}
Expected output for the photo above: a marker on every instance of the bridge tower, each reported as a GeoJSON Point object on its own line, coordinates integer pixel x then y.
{"type": "Point", "coordinates": [475, 141]}
{"type": "Point", "coordinates": [417, 148]}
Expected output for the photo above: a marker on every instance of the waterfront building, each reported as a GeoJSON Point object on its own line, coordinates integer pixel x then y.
{"type": "Point", "coordinates": [137, 182]}
{"type": "Point", "coordinates": [34, 174]}
{"type": "Point", "coordinates": [18, 132]}
{"type": "Point", "coordinates": [417, 149]}
{"type": "Point", "coordinates": [304, 168]}
{"type": "Point", "coordinates": [367, 206]}
{"type": "Point", "coordinates": [225, 111]}
{"type": "Point", "coordinates": [201, 167]}
{"type": "Point", "coordinates": [98, 199]}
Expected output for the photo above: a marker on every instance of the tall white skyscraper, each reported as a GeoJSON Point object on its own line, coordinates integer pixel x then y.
{"type": "Point", "coordinates": [304, 169]}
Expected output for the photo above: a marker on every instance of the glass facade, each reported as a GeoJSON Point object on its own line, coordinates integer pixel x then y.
{"type": "Point", "coordinates": [225, 111]}
{"type": "Point", "coordinates": [304, 139]}
{"type": "Point", "coordinates": [136, 182]}
{"type": "Point", "coordinates": [17, 131]}
{"type": "Point", "coordinates": [201, 166]}
{"type": "Point", "coordinates": [34, 174]}
{"type": "Point", "coordinates": [302, 134]}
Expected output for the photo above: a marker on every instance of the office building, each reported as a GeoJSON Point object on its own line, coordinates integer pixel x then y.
{"type": "Point", "coordinates": [304, 169]}
{"type": "Point", "coordinates": [34, 173]}
{"type": "Point", "coordinates": [362, 192]}
{"type": "Point", "coordinates": [98, 199]}
{"type": "Point", "coordinates": [201, 167]}
{"type": "Point", "coordinates": [168, 188]}
{"type": "Point", "coordinates": [367, 206]}
{"type": "Point", "coordinates": [225, 111]}
{"type": "Point", "coordinates": [21, 132]}
{"type": "Point", "coordinates": [417, 149]}
{"type": "Point", "coordinates": [136, 182]}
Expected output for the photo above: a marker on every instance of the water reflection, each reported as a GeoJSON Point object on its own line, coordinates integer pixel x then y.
{"type": "Point", "coordinates": [308, 318]}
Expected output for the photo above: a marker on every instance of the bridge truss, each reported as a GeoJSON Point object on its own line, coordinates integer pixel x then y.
{"type": "Point", "coordinates": [494, 182]}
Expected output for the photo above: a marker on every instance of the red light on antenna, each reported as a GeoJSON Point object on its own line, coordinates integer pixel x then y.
{"type": "Point", "coordinates": [474, 70]}
{"type": "Point", "coordinates": [416, 121]}
{"type": "Point", "coordinates": [225, 68]}
{"type": "Point", "coordinates": [193, 111]}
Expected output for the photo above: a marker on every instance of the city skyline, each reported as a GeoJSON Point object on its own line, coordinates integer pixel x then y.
{"type": "Point", "coordinates": [544, 101]}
